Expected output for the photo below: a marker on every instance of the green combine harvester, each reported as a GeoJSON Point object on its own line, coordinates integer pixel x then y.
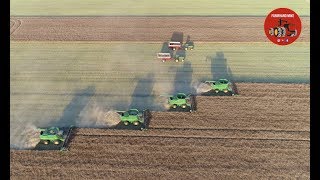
{"type": "Point", "coordinates": [136, 118]}
{"type": "Point", "coordinates": [188, 45]}
{"type": "Point", "coordinates": [51, 135]}
{"type": "Point", "coordinates": [182, 102]}
{"type": "Point", "coordinates": [220, 87]}
{"type": "Point", "coordinates": [53, 138]}
{"type": "Point", "coordinates": [180, 56]}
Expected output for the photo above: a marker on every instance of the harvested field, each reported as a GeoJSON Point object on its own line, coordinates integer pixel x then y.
{"type": "Point", "coordinates": [160, 29]}
{"type": "Point", "coordinates": [166, 157]}
{"type": "Point", "coordinates": [254, 135]}
{"type": "Point", "coordinates": [14, 25]}
{"type": "Point", "coordinates": [201, 133]}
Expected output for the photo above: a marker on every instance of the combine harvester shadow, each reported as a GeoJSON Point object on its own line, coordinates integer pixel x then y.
{"type": "Point", "coordinates": [69, 119]}
{"type": "Point", "coordinates": [182, 84]}
{"type": "Point", "coordinates": [141, 99]}
{"type": "Point", "coordinates": [220, 70]}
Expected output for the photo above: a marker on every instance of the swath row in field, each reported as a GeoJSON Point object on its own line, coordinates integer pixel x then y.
{"type": "Point", "coordinates": [200, 133]}
{"type": "Point", "coordinates": [168, 154]}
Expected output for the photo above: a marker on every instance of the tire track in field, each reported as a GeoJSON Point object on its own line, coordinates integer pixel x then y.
{"type": "Point", "coordinates": [14, 25]}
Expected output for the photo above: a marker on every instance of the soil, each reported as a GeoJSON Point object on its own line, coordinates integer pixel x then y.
{"type": "Point", "coordinates": [252, 135]}
{"type": "Point", "coordinates": [160, 29]}
{"type": "Point", "coordinates": [263, 133]}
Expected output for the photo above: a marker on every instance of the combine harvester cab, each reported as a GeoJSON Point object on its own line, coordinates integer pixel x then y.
{"type": "Point", "coordinates": [54, 138]}
{"type": "Point", "coordinates": [164, 56]}
{"type": "Point", "coordinates": [174, 45]}
{"type": "Point", "coordinates": [222, 87]}
{"type": "Point", "coordinates": [134, 119]}
{"type": "Point", "coordinates": [182, 102]}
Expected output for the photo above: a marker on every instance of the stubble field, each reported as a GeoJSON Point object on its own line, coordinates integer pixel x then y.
{"type": "Point", "coordinates": [260, 134]}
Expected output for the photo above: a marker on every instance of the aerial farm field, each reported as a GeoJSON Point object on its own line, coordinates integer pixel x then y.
{"type": "Point", "coordinates": [78, 64]}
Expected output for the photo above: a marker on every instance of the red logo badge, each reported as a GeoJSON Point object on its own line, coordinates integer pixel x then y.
{"type": "Point", "coordinates": [282, 26]}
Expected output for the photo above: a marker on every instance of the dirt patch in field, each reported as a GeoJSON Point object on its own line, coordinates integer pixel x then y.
{"type": "Point", "coordinates": [264, 129]}
{"type": "Point", "coordinates": [206, 29]}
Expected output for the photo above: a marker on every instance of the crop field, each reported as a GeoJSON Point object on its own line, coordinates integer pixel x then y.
{"type": "Point", "coordinates": [209, 29]}
{"type": "Point", "coordinates": [253, 61]}
{"type": "Point", "coordinates": [77, 64]}
{"type": "Point", "coordinates": [251, 142]}
{"type": "Point", "coordinates": [147, 8]}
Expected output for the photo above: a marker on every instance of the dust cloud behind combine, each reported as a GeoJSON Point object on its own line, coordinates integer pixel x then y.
{"type": "Point", "coordinates": [95, 115]}
{"type": "Point", "coordinates": [24, 138]}
{"type": "Point", "coordinates": [136, 83]}
{"type": "Point", "coordinates": [201, 87]}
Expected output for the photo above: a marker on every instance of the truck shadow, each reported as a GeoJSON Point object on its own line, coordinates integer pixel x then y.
{"type": "Point", "coordinates": [177, 37]}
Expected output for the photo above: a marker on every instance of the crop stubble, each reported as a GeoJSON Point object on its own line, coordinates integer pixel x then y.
{"type": "Point", "coordinates": [255, 140]}
{"type": "Point", "coordinates": [263, 133]}
{"type": "Point", "coordinates": [206, 29]}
